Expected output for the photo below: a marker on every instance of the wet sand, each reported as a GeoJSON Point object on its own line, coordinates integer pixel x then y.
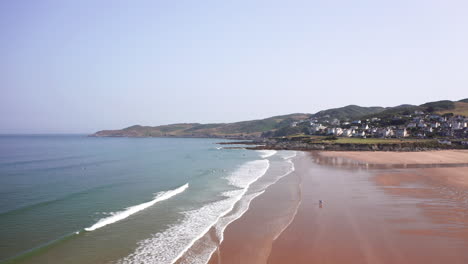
{"type": "Point", "coordinates": [249, 239]}
{"type": "Point", "coordinates": [368, 215]}
{"type": "Point", "coordinates": [387, 157]}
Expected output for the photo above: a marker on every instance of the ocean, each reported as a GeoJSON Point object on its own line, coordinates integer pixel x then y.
{"type": "Point", "coordinates": [79, 199]}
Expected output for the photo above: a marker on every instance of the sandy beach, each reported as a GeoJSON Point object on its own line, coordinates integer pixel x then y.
{"type": "Point", "coordinates": [383, 157]}
{"type": "Point", "coordinates": [369, 214]}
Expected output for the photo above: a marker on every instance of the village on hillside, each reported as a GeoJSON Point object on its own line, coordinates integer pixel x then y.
{"type": "Point", "coordinates": [415, 125]}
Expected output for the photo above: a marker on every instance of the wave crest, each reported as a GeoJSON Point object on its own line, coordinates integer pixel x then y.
{"type": "Point", "coordinates": [136, 208]}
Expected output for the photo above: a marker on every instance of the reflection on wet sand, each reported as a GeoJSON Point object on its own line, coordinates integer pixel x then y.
{"type": "Point", "coordinates": [399, 213]}
{"type": "Point", "coordinates": [342, 162]}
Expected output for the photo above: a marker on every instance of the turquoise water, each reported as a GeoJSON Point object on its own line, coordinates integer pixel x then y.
{"type": "Point", "coordinates": [78, 199]}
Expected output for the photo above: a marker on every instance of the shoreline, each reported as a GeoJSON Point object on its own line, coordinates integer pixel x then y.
{"type": "Point", "coordinates": [261, 224]}
{"type": "Point", "coordinates": [388, 214]}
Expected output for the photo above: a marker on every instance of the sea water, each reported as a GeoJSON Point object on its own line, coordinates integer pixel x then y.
{"type": "Point", "coordinates": [79, 199]}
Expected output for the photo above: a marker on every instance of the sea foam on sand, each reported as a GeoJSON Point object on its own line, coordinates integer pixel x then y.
{"type": "Point", "coordinates": [169, 245]}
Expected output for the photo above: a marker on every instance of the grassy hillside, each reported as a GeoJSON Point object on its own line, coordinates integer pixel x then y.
{"type": "Point", "coordinates": [247, 129]}
{"type": "Point", "coordinates": [349, 112]}
{"type": "Point", "coordinates": [281, 125]}
{"type": "Point", "coordinates": [460, 108]}
{"type": "Point", "coordinates": [437, 107]}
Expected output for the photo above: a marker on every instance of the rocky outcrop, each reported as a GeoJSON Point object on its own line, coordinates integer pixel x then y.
{"type": "Point", "coordinates": [300, 145]}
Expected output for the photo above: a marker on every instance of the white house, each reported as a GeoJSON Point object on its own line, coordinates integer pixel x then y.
{"type": "Point", "coordinates": [401, 133]}
{"type": "Point", "coordinates": [317, 127]}
{"type": "Point", "coordinates": [348, 132]}
{"type": "Point", "coordinates": [458, 125]}
{"type": "Point", "coordinates": [335, 122]}
{"type": "Point", "coordinates": [387, 132]}
{"type": "Point", "coordinates": [359, 134]}
{"type": "Point", "coordinates": [338, 131]}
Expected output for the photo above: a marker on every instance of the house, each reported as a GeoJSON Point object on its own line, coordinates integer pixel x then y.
{"type": "Point", "coordinates": [418, 112]}
{"type": "Point", "coordinates": [294, 124]}
{"type": "Point", "coordinates": [313, 121]}
{"type": "Point", "coordinates": [338, 131]}
{"type": "Point", "coordinates": [428, 129]}
{"type": "Point", "coordinates": [359, 133]}
{"type": "Point", "coordinates": [316, 127]}
{"type": "Point", "coordinates": [335, 122]}
{"type": "Point", "coordinates": [348, 132]}
{"type": "Point", "coordinates": [435, 125]}
{"type": "Point", "coordinates": [356, 122]}
{"type": "Point", "coordinates": [365, 126]}
{"type": "Point", "coordinates": [401, 133]}
{"type": "Point", "coordinates": [387, 132]}
{"type": "Point", "coordinates": [457, 125]}
{"type": "Point", "coordinates": [411, 125]}
{"type": "Point", "coordinates": [375, 119]}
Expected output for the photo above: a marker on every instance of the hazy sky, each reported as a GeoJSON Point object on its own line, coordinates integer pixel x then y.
{"type": "Point", "coordinates": [83, 66]}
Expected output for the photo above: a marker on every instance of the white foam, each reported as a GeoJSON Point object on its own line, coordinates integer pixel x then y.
{"type": "Point", "coordinates": [288, 154]}
{"type": "Point", "coordinates": [202, 256]}
{"type": "Point", "coordinates": [134, 209]}
{"type": "Point", "coordinates": [265, 153]}
{"type": "Point", "coordinates": [248, 173]}
{"type": "Point", "coordinates": [223, 222]}
{"type": "Point", "coordinates": [169, 245]}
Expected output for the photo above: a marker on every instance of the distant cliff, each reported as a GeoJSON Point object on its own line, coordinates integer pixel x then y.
{"type": "Point", "coordinates": [280, 125]}
{"type": "Point", "coordinates": [238, 130]}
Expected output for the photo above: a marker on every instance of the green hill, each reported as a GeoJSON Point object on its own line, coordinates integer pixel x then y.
{"type": "Point", "coordinates": [349, 112]}
{"type": "Point", "coordinates": [282, 125]}
{"type": "Point", "coordinates": [244, 129]}
{"type": "Point", "coordinates": [460, 108]}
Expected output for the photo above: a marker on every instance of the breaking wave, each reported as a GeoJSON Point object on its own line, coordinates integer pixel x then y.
{"type": "Point", "coordinates": [134, 209]}
{"type": "Point", "coordinates": [168, 246]}
{"type": "Point", "coordinates": [266, 153]}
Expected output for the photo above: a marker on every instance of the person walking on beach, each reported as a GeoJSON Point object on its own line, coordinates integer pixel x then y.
{"type": "Point", "coordinates": [320, 203]}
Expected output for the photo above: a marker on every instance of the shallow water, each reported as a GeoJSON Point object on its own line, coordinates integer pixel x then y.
{"type": "Point", "coordinates": [133, 195]}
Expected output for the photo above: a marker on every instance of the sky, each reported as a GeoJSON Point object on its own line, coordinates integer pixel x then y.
{"type": "Point", "coordinates": [83, 66]}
